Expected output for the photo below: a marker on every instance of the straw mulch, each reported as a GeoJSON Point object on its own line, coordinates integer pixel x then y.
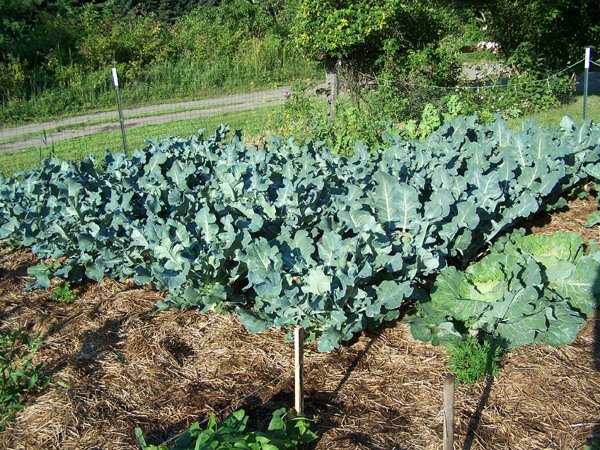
{"type": "Point", "coordinates": [115, 366]}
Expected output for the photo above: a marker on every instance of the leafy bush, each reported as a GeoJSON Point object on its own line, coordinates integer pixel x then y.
{"type": "Point", "coordinates": [286, 431]}
{"type": "Point", "coordinates": [19, 374]}
{"type": "Point", "coordinates": [471, 360]}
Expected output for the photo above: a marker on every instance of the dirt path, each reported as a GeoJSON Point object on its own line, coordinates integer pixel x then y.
{"type": "Point", "coordinates": [21, 137]}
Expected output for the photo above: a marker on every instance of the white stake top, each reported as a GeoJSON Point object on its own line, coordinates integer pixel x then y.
{"type": "Point", "coordinates": [114, 76]}
{"type": "Point", "coordinates": [588, 56]}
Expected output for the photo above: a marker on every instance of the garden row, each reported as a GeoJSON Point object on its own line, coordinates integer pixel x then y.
{"type": "Point", "coordinates": [290, 234]}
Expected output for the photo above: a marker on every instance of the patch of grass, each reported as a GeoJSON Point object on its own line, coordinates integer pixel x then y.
{"type": "Point", "coordinates": [155, 113]}
{"type": "Point", "coordinates": [252, 122]}
{"type": "Point", "coordinates": [478, 57]}
{"type": "Point", "coordinates": [574, 109]}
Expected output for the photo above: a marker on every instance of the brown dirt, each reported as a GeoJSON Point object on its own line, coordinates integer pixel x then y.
{"type": "Point", "coordinates": [115, 367]}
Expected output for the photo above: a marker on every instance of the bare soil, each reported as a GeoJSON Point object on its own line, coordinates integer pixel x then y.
{"type": "Point", "coordinates": [115, 366]}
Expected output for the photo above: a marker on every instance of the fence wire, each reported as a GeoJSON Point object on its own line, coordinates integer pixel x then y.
{"type": "Point", "coordinates": [503, 83]}
{"type": "Point", "coordinates": [486, 92]}
{"type": "Point", "coordinates": [25, 145]}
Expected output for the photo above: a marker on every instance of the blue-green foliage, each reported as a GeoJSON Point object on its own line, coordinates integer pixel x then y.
{"type": "Point", "coordinates": [293, 234]}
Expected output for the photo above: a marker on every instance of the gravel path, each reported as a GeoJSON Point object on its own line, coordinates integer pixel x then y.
{"type": "Point", "coordinates": [21, 137]}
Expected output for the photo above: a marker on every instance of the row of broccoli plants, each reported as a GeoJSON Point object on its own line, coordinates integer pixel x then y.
{"type": "Point", "coordinates": [291, 234]}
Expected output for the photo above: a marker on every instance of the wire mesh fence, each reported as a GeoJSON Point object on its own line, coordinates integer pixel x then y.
{"type": "Point", "coordinates": [25, 145]}
{"type": "Point", "coordinates": [481, 89]}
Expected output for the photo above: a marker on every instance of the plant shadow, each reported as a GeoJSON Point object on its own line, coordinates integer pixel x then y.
{"type": "Point", "coordinates": [330, 409]}
{"type": "Point", "coordinates": [476, 417]}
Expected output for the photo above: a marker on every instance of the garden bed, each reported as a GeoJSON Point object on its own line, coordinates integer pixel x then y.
{"type": "Point", "coordinates": [115, 367]}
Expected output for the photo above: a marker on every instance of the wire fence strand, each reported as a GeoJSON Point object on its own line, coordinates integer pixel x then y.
{"type": "Point", "coordinates": [25, 145]}
{"type": "Point", "coordinates": [470, 87]}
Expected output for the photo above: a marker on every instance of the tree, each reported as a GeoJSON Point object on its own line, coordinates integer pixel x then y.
{"type": "Point", "coordinates": [542, 34]}
{"type": "Point", "coordinates": [364, 34]}
{"type": "Point", "coordinates": [28, 27]}
{"type": "Point", "coordinates": [331, 30]}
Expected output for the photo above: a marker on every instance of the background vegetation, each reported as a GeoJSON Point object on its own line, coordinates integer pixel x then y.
{"type": "Point", "coordinates": [55, 57]}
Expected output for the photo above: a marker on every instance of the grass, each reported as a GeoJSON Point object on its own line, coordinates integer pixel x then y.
{"type": "Point", "coordinates": [478, 57]}
{"type": "Point", "coordinates": [252, 122]}
{"type": "Point", "coordinates": [574, 109]}
{"type": "Point", "coordinates": [181, 81]}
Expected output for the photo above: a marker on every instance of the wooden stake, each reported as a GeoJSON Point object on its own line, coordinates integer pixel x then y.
{"type": "Point", "coordinates": [449, 412]}
{"type": "Point", "coordinates": [299, 369]}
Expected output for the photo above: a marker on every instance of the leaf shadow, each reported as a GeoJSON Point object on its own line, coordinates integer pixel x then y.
{"type": "Point", "coordinates": [95, 345]}
{"type": "Point", "coordinates": [328, 407]}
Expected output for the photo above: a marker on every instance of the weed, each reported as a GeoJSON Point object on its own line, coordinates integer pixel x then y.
{"type": "Point", "coordinates": [286, 431]}
{"type": "Point", "coordinates": [19, 374]}
{"type": "Point", "coordinates": [63, 294]}
{"type": "Point", "coordinates": [471, 360]}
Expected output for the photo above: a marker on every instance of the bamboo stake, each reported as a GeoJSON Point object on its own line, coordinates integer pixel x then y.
{"type": "Point", "coordinates": [299, 369]}
{"type": "Point", "coordinates": [449, 412]}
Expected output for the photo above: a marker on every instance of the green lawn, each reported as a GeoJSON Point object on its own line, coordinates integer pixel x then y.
{"type": "Point", "coordinates": [574, 109]}
{"type": "Point", "coordinates": [254, 123]}
{"type": "Point", "coordinates": [157, 112]}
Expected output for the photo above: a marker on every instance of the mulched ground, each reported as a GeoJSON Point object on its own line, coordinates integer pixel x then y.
{"type": "Point", "coordinates": [115, 367]}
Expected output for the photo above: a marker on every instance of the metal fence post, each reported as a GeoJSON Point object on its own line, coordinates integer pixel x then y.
{"type": "Point", "coordinates": [586, 76]}
{"type": "Point", "coordinates": [121, 119]}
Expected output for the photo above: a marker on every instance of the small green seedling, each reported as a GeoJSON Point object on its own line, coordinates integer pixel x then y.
{"type": "Point", "coordinates": [286, 431]}
{"type": "Point", "coordinates": [18, 375]}
{"type": "Point", "coordinates": [63, 294]}
{"type": "Point", "coordinates": [471, 360]}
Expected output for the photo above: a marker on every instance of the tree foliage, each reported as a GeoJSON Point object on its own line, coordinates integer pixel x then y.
{"type": "Point", "coordinates": [166, 10]}
{"type": "Point", "coordinates": [29, 26]}
{"type": "Point", "coordinates": [363, 32]}
{"type": "Point", "coordinates": [541, 33]}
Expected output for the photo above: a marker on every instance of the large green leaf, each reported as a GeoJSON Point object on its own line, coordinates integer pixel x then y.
{"type": "Point", "coordinates": [582, 287]}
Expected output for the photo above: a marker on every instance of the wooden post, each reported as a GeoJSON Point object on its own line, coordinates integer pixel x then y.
{"type": "Point", "coordinates": [449, 412]}
{"type": "Point", "coordinates": [333, 85]}
{"type": "Point", "coordinates": [299, 369]}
